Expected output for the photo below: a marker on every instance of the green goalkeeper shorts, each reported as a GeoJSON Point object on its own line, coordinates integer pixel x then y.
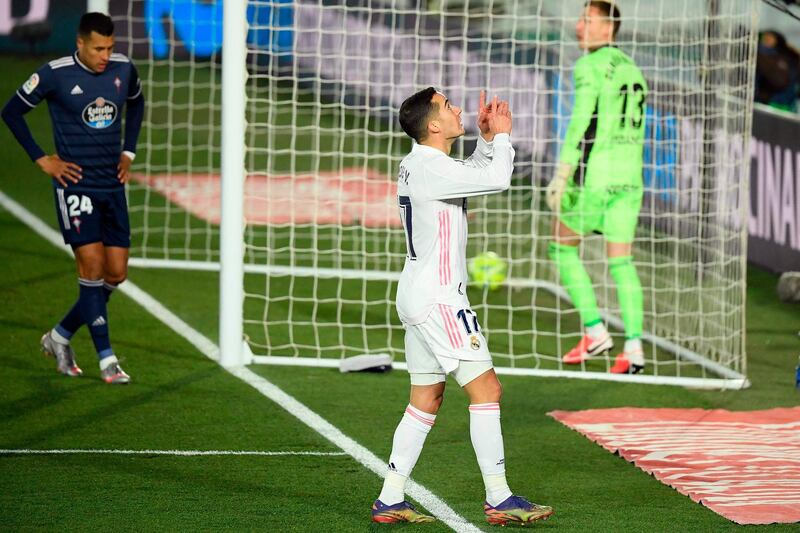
{"type": "Point", "coordinates": [612, 211]}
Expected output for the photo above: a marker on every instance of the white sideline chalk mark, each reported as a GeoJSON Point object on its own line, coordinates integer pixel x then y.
{"type": "Point", "coordinates": [435, 505]}
{"type": "Point", "coordinates": [189, 453]}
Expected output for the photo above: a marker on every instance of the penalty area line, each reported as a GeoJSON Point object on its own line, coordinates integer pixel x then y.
{"type": "Point", "coordinates": [178, 453]}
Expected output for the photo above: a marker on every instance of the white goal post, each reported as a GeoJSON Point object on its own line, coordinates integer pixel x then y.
{"type": "Point", "coordinates": [231, 275]}
{"type": "Point", "coordinates": [271, 144]}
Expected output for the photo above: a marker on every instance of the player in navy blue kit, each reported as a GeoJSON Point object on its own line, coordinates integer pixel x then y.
{"type": "Point", "coordinates": [86, 93]}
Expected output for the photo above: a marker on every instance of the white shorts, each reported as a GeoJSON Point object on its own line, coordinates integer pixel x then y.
{"type": "Point", "coordinates": [448, 342]}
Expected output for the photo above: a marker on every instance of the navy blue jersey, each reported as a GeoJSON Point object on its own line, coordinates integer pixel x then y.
{"type": "Point", "coordinates": [86, 112]}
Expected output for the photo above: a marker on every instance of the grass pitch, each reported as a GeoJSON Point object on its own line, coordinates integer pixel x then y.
{"type": "Point", "coordinates": [181, 400]}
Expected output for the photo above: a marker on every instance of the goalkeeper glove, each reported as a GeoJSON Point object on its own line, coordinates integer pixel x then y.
{"type": "Point", "coordinates": [557, 185]}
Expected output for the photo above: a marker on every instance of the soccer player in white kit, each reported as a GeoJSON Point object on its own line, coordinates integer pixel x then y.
{"type": "Point", "coordinates": [442, 332]}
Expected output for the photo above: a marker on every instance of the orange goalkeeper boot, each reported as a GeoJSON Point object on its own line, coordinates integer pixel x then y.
{"type": "Point", "coordinates": [628, 363]}
{"type": "Point", "coordinates": [587, 348]}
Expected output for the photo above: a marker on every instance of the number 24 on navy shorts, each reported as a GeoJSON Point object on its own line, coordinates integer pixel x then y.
{"type": "Point", "coordinates": [93, 216]}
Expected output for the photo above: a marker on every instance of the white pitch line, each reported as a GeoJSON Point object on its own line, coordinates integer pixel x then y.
{"type": "Point", "coordinates": [187, 453]}
{"type": "Point", "coordinates": [369, 460]}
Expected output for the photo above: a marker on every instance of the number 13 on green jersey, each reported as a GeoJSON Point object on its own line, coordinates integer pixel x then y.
{"type": "Point", "coordinates": [605, 136]}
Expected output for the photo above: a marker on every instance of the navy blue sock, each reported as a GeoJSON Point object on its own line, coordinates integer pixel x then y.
{"type": "Point", "coordinates": [72, 321]}
{"type": "Point", "coordinates": [92, 303]}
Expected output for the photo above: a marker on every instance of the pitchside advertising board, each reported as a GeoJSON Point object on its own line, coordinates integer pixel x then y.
{"type": "Point", "coordinates": [289, 31]}
{"type": "Point", "coordinates": [774, 215]}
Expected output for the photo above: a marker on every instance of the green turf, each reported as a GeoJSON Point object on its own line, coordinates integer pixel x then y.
{"type": "Point", "coordinates": [181, 400]}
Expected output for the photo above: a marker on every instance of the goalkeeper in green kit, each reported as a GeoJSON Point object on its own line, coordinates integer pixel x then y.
{"type": "Point", "coordinates": [598, 184]}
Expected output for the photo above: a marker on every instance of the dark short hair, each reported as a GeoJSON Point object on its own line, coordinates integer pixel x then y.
{"type": "Point", "coordinates": [414, 113]}
{"type": "Point", "coordinates": [96, 22]}
{"type": "Point", "coordinates": [610, 10]}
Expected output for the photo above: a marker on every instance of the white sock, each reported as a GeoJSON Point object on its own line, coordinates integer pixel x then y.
{"type": "Point", "coordinates": [487, 440]}
{"type": "Point", "coordinates": [409, 437]}
{"type": "Point", "coordinates": [106, 361]}
{"type": "Point", "coordinates": [597, 331]}
{"type": "Point", "coordinates": [633, 351]}
{"type": "Point", "coordinates": [57, 337]}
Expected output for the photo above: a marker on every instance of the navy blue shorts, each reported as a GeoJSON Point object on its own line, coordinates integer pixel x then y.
{"type": "Point", "coordinates": [93, 216]}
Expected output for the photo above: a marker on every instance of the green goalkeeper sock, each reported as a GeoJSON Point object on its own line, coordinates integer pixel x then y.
{"type": "Point", "coordinates": [576, 280]}
{"type": "Point", "coordinates": [629, 294]}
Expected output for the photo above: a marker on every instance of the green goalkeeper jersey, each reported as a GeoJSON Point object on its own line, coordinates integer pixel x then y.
{"type": "Point", "coordinates": [606, 129]}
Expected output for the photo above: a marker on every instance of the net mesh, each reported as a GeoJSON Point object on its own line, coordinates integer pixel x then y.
{"type": "Point", "coordinates": [324, 243]}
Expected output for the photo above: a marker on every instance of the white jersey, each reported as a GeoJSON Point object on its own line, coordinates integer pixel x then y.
{"type": "Point", "coordinates": [432, 191]}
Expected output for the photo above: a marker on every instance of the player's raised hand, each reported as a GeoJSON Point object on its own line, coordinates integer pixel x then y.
{"type": "Point", "coordinates": [123, 168]}
{"type": "Point", "coordinates": [483, 119]}
{"type": "Point", "coordinates": [62, 171]}
{"type": "Point", "coordinates": [499, 116]}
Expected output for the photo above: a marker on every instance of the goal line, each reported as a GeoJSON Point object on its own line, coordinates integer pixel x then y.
{"type": "Point", "coordinates": [729, 379]}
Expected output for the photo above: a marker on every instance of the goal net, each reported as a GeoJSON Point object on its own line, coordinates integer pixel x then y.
{"type": "Point", "coordinates": [323, 243]}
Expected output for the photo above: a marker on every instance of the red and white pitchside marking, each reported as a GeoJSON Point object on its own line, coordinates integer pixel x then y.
{"type": "Point", "coordinates": [352, 196]}
{"type": "Point", "coordinates": [742, 465]}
